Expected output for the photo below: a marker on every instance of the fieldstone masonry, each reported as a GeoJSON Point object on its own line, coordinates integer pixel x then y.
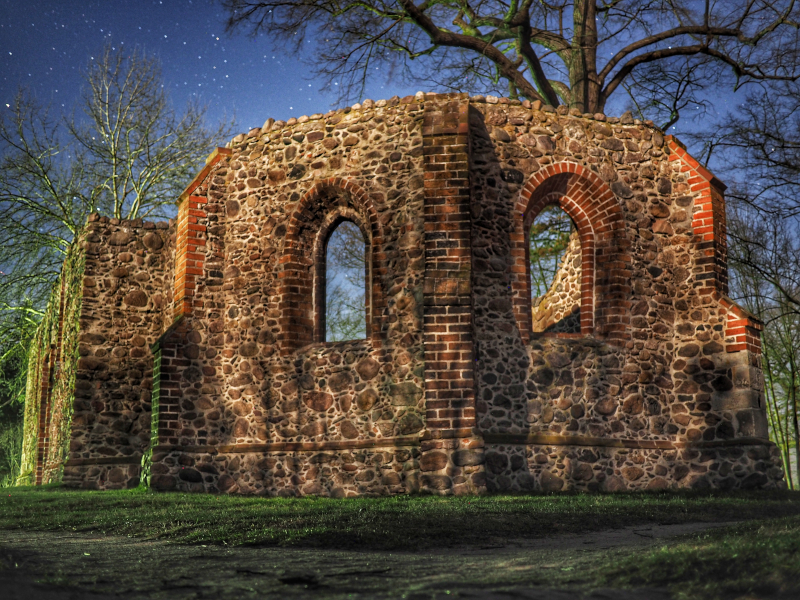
{"type": "Point", "coordinates": [203, 365]}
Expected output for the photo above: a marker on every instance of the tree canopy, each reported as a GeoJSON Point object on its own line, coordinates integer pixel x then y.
{"type": "Point", "coordinates": [572, 52]}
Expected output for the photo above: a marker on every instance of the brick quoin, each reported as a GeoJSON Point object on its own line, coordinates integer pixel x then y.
{"type": "Point", "coordinates": [190, 233]}
{"type": "Point", "coordinates": [447, 324]}
{"type": "Point", "coordinates": [742, 329]}
{"type": "Point", "coordinates": [167, 375]}
{"type": "Point", "coordinates": [710, 231]}
{"type": "Point", "coordinates": [605, 260]}
{"type": "Point", "coordinates": [709, 222]}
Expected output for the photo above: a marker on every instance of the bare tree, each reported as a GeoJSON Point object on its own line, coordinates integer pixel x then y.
{"type": "Point", "coordinates": [759, 147]}
{"type": "Point", "coordinates": [140, 151]}
{"type": "Point", "coordinates": [757, 150]}
{"type": "Point", "coordinates": [765, 260]}
{"type": "Point", "coordinates": [127, 154]}
{"type": "Point", "coordinates": [666, 92]}
{"type": "Point", "coordinates": [44, 198]}
{"type": "Point", "coordinates": [573, 52]}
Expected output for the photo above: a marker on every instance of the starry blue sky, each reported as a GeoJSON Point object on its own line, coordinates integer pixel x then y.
{"type": "Point", "coordinates": [44, 45]}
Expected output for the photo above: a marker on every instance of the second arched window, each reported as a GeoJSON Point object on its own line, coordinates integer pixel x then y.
{"type": "Point", "coordinates": [554, 249]}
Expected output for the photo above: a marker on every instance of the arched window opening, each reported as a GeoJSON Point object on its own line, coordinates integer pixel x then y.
{"type": "Point", "coordinates": [346, 284]}
{"type": "Point", "coordinates": [554, 249]}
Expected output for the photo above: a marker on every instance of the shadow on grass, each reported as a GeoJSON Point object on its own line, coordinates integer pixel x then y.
{"type": "Point", "coordinates": [394, 523]}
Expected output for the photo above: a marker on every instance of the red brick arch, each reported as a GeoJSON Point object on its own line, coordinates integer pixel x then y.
{"type": "Point", "coordinates": [319, 211]}
{"type": "Point", "coordinates": [605, 259]}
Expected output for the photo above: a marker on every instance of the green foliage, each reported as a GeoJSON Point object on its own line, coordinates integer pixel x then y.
{"type": "Point", "coordinates": [10, 444]}
{"type": "Point", "coordinates": [16, 332]}
{"type": "Point", "coordinates": [63, 310]}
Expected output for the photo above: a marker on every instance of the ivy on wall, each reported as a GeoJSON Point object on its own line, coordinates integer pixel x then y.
{"type": "Point", "coordinates": [61, 317]}
{"type": "Point", "coordinates": [147, 457]}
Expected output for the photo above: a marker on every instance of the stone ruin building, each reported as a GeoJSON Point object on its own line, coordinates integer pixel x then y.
{"type": "Point", "coordinates": [191, 355]}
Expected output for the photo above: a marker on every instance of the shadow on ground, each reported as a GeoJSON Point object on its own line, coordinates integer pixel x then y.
{"type": "Point", "coordinates": [62, 566]}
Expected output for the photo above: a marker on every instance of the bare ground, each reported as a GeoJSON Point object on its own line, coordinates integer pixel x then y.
{"type": "Point", "coordinates": [73, 566]}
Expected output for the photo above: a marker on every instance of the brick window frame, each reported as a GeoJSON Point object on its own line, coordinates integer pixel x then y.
{"type": "Point", "coordinates": [332, 220]}
{"type": "Point", "coordinates": [605, 256]}
{"type": "Point", "coordinates": [310, 223]}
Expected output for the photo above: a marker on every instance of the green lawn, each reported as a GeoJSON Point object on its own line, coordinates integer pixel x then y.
{"type": "Point", "coordinates": [753, 560]}
{"type": "Point", "coordinates": [761, 554]}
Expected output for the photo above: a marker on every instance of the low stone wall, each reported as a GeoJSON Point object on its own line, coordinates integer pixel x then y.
{"type": "Point", "coordinates": [336, 472]}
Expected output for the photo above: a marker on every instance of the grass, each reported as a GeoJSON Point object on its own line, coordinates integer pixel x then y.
{"type": "Point", "coordinates": [756, 559]}
{"type": "Point", "coordinates": [761, 554]}
{"type": "Point", "coordinates": [395, 523]}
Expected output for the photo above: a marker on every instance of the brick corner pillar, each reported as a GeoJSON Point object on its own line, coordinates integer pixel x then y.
{"type": "Point", "coordinates": [168, 366]}
{"type": "Point", "coordinates": [709, 221]}
{"type": "Point", "coordinates": [451, 460]}
{"type": "Point", "coordinates": [742, 330]}
{"type": "Point", "coordinates": [191, 238]}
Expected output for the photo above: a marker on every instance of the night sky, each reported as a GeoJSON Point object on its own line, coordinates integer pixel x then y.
{"type": "Point", "coordinates": [45, 44]}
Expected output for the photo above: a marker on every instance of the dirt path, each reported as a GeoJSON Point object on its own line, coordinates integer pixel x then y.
{"type": "Point", "coordinates": [64, 566]}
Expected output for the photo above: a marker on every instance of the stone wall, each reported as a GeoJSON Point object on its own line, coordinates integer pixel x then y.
{"type": "Point", "coordinates": [655, 383]}
{"type": "Point", "coordinates": [126, 291]}
{"type": "Point", "coordinates": [658, 370]}
{"type": "Point", "coordinates": [242, 371]}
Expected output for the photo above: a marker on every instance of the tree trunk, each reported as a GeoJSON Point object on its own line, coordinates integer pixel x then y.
{"type": "Point", "coordinates": [796, 425]}
{"type": "Point", "coordinates": [779, 427]}
{"type": "Point", "coordinates": [584, 86]}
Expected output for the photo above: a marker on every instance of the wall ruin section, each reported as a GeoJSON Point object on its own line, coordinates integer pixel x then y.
{"type": "Point", "coordinates": [202, 362]}
{"type": "Point", "coordinates": [125, 295]}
